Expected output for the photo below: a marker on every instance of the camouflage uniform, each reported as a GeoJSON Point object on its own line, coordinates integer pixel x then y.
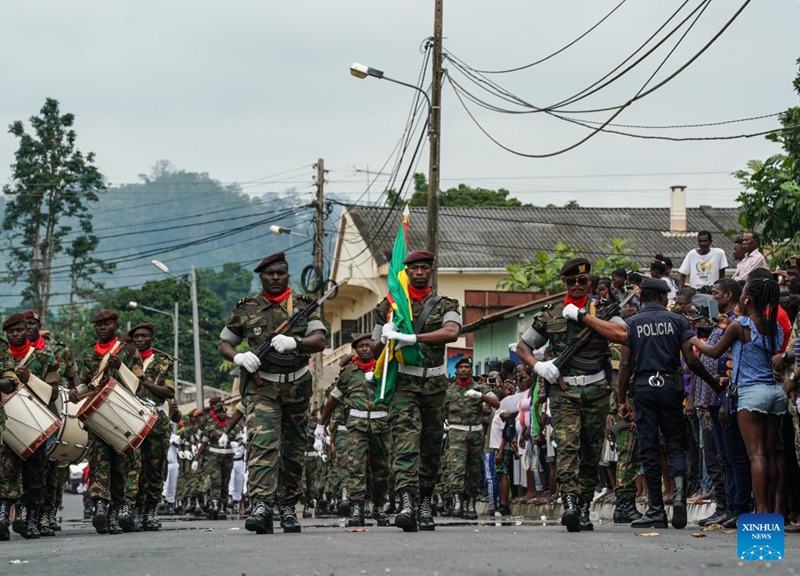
{"type": "Point", "coordinates": [107, 468]}
{"type": "Point", "coordinates": [367, 460]}
{"type": "Point", "coordinates": [34, 470]}
{"type": "Point", "coordinates": [465, 446]}
{"type": "Point", "coordinates": [314, 469]}
{"type": "Point", "coordinates": [578, 414]}
{"type": "Point", "coordinates": [217, 462]}
{"type": "Point", "coordinates": [416, 413]}
{"type": "Point", "coordinates": [277, 410]}
{"type": "Point", "coordinates": [337, 465]}
{"type": "Point", "coordinates": [145, 482]}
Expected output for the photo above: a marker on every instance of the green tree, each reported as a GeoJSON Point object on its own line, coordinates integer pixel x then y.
{"type": "Point", "coordinates": [539, 274]}
{"type": "Point", "coordinates": [230, 284]}
{"type": "Point", "coordinates": [53, 186]}
{"type": "Point", "coordinates": [770, 201]}
{"type": "Point", "coordinates": [462, 195]}
{"type": "Point", "coordinates": [619, 255]}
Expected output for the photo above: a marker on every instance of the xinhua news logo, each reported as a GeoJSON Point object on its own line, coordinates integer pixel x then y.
{"type": "Point", "coordinates": [760, 537]}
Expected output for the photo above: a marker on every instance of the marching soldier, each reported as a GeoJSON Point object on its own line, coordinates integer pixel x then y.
{"type": "Point", "coordinates": [464, 409]}
{"type": "Point", "coordinates": [652, 355]}
{"type": "Point", "coordinates": [217, 456]}
{"type": "Point", "coordinates": [417, 409]}
{"type": "Point", "coordinates": [579, 403]}
{"type": "Point", "coordinates": [19, 362]}
{"type": "Point", "coordinates": [278, 390]}
{"type": "Point", "coordinates": [367, 460]}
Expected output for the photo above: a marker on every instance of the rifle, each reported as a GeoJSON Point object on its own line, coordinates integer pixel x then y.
{"type": "Point", "coordinates": [607, 313]}
{"type": "Point", "coordinates": [265, 351]}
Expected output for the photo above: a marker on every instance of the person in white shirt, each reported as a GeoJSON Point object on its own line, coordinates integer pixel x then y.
{"type": "Point", "coordinates": [752, 259]}
{"type": "Point", "coordinates": [704, 265]}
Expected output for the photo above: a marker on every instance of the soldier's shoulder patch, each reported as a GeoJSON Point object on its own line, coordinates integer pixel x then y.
{"type": "Point", "coordinates": [347, 371]}
{"type": "Point", "coordinates": [246, 299]}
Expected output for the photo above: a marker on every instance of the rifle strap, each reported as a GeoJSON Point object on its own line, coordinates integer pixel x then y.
{"type": "Point", "coordinates": [419, 321]}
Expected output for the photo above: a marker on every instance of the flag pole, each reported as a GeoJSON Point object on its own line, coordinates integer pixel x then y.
{"type": "Point", "coordinates": [385, 362]}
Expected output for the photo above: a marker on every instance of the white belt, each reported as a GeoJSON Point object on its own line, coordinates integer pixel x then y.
{"type": "Point", "coordinates": [341, 428]}
{"type": "Point", "coordinates": [421, 372]}
{"type": "Point", "coordinates": [585, 380]}
{"type": "Point", "coordinates": [290, 377]}
{"type": "Point", "coordinates": [220, 450]}
{"type": "Point", "coordinates": [312, 454]}
{"type": "Point", "coordinates": [476, 428]}
{"type": "Point", "coordinates": [371, 415]}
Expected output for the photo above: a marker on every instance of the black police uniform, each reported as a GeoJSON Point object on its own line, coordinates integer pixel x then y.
{"type": "Point", "coordinates": [655, 336]}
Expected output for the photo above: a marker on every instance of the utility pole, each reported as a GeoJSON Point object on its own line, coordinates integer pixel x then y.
{"type": "Point", "coordinates": [319, 261]}
{"type": "Point", "coordinates": [198, 370]}
{"type": "Point", "coordinates": [433, 136]}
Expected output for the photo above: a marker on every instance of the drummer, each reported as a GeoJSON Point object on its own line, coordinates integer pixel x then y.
{"type": "Point", "coordinates": [19, 361]}
{"type": "Point", "coordinates": [148, 480]}
{"type": "Point", "coordinates": [68, 378]}
{"type": "Point", "coordinates": [108, 468]}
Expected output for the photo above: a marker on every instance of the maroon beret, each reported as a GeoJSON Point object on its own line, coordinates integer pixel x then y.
{"type": "Point", "coordinates": [419, 256]}
{"type": "Point", "coordinates": [214, 399]}
{"type": "Point", "coordinates": [464, 360]}
{"type": "Point", "coordinates": [104, 315]}
{"type": "Point", "coordinates": [31, 314]}
{"type": "Point", "coordinates": [271, 259]}
{"type": "Point", "coordinates": [142, 326]}
{"type": "Point", "coordinates": [14, 319]}
{"type": "Point", "coordinates": [359, 338]}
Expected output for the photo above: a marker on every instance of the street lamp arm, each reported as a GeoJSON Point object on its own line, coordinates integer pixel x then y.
{"type": "Point", "coordinates": [417, 88]}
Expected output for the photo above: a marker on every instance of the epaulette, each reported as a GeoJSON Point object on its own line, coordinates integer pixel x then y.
{"type": "Point", "coordinates": [246, 299]}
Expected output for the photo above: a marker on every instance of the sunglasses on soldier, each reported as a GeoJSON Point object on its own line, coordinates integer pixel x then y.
{"type": "Point", "coordinates": [572, 280]}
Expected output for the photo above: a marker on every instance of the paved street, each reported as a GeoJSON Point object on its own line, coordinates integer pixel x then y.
{"type": "Point", "coordinates": [187, 547]}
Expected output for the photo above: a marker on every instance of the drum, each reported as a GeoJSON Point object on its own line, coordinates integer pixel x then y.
{"type": "Point", "coordinates": [29, 423]}
{"type": "Point", "coordinates": [117, 417]}
{"type": "Point", "coordinates": [71, 443]}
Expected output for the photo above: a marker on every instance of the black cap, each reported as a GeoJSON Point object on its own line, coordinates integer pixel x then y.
{"type": "Point", "coordinates": [655, 284]}
{"type": "Point", "coordinates": [278, 257]}
{"type": "Point", "coordinates": [576, 266]}
{"type": "Point", "coordinates": [359, 338]}
{"type": "Point", "coordinates": [463, 360]}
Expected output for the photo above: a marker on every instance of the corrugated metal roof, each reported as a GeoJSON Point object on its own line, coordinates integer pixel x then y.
{"type": "Point", "coordinates": [493, 237]}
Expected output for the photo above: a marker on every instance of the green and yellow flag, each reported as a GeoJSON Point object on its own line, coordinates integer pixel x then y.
{"type": "Point", "coordinates": [386, 368]}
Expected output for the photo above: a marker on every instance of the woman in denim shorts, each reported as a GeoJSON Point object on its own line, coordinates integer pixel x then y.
{"type": "Point", "coordinates": [754, 338]}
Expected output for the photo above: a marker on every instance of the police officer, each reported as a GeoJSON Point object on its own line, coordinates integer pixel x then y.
{"type": "Point", "coordinates": [278, 399]}
{"type": "Point", "coordinates": [652, 354]}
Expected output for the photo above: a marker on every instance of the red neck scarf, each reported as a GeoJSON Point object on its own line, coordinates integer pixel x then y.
{"type": "Point", "coordinates": [40, 343]}
{"type": "Point", "coordinates": [418, 295]}
{"type": "Point", "coordinates": [102, 349]}
{"type": "Point", "coordinates": [18, 352]}
{"type": "Point", "coordinates": [280, 298]}
{"type": "Point", "coordinates": [365, 366]}
{"type": "Point", "coordinates": [464, 383]}
{"type": "Point", "coordinates": [216, 419]}
{"type": "Point", "coordinates": [579, 303]}
{"type": "Point", "coordinates": [146, 354]}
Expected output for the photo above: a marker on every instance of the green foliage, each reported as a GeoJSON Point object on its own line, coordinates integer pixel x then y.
{"type": "Point", "coordinates": [619, 255]}
{"type": "Point", "coordinates": [53, 187]}
{"type": "Point", "coordinates": [539, 274]}
{"type": "Point", "coordinates": [462, 195]}
{"type": "Point", "coordinates": [770, 201]}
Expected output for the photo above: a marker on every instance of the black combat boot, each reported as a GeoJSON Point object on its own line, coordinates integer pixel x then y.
{"type": "Point", "coordinates": [5, 510]}
{"type": "Point", "coordinates": [719, 516]}
{"type": "Point", "coordinates": [19, 519]}
{"type": "Point", "coordinates": [406, 518]}
{"type": "Point", "coordinates": [425, 512]}
{"type": "Point", "coordinates": [379, 515]}
{"type": "Point", "coordinates": [52, 520]}
{"type": "Point", "coordinates": [306, 509]}
{"type": "Point", "coordinates": [138, 518]}
{"type": "Point", "coordinates": [469, 509]}
{"type": "Point", "coordinates": [356, 514]}
{"type": "Point", "coordinates": [289, 521]}
{"type": "Point", "coordinates": [125, 518]}
{"type": "Point", "coordinates": [100, 518]}
{"type": "Point", "coordinates": [571, 518]}
{"type": "Point", "coordinates": [149, 521]}
{"type": "Point", "coordinates": [31, 523]}
{"type": "Point", "coordinates": [213, 510]}
{"type": "Point", "coordinates": [458, 507]}
{"type": "Point", "coordinates": [626, 508]}
{"type": "Point", "coordinates": [679, 517]}
{"type": "Point", "coordinates": [44, 524]}
{"type": "Point", "coordinates": [113, 520]}
{"type": "Point", "coordinates": [586, 511]}
{"type": "Point", "coordinates": [447, 507]}
{"type": "Point", "coordinates": [655, 516]}
{"type": "Point", "coordinates": [260, 519]}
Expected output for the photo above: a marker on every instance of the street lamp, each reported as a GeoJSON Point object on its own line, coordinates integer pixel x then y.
{"type": "Point", "coordinates": [362, 71]}
{"type": "Point", "coordinates": [175, 327]}
{"type": "Point", "coordinates": [198, 371]}
{"type": "Point", "coordinates": [280, 230]}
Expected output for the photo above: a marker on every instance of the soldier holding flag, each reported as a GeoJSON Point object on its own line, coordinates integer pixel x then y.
{"type": "Point", "coordinates": [412, 326]}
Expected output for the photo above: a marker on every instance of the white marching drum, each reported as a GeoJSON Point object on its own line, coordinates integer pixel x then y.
{"type": "Point", "coordinates": [29, 423]}
{"type": "Point", "coordinates": [118, 417]}
{"type": "Point", "coordinates": [71, 443]}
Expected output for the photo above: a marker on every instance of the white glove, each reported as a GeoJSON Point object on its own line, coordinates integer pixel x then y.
{"type": "Point", "coordinates": [234, 445]}
{"type": "Point", "coordinates": [539, 353]}
{"type": "Point", "coordinates": [388, 327]}
{"type": "Point", "coordinates": [283, 343]}
{"type": "Point", "coordinates": [223, 441]}
{"type": "Point", "coordinates": [570, 312]}
{"type": "Point", "coordinates": [369, 375]}
{"type": "Point", "coordinates": [174, 439]}
{"type": "Point", "coordinates": [319, 432]}
{"type": "Point", "coordinates": [402, 339]}
{"type": "Point", "coordinates": [547, 370]}
{"type": "Point", "coordinates": [318, 445]}
{"type": "Point", "coordinates": [248, 361]}
{"type": "Point", "coordinates": [473, 394]}
{"type": "Point", "coordinates": [195, 465]}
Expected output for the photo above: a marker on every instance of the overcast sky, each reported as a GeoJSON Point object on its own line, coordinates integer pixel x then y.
{"type": "Point", "coordinates": [248, 89]}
